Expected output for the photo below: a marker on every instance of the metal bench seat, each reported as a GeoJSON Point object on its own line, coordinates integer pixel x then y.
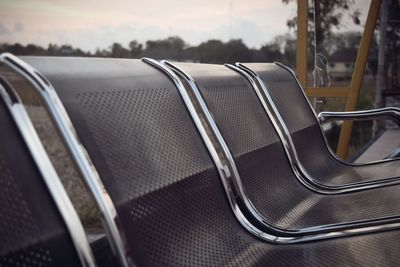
{"type": "Point", "coordinates": [146, 142]}
{"type": "Point", "coordinates": [38, 224]}
{"type": "Point", "coordinates": [305, 138]}
{"type": "Point", "coordinates": [265, 173]}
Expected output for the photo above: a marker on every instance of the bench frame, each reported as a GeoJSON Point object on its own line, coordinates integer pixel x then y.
{"type": "Point", "coordinates": [48, 173]}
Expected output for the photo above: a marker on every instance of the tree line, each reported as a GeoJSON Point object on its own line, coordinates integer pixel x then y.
{"type": "Point", "coordinates": [174, 48]}
{"type": "Point", "coordinates": [282, 49]}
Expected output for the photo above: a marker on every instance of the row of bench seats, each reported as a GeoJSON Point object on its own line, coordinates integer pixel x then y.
{"type": "Point", "coordinates": [196, 169]}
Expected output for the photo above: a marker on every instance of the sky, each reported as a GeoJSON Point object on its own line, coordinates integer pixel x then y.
{"type": "Point", "coordinates": [92, 24]}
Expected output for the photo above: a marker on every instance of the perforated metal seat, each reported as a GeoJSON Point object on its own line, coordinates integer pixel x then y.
{"type": "Point", "coordinates": [308, 139]}
{"type": "Point", "coordinates": [266, 174]}
{"type": "Point", "coordinates": [168, 195]}
{"type": "Point", "coordinates": [38, 226]}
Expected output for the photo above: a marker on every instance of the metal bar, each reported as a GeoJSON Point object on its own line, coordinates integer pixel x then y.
{"type": "Point", "coordinates": [67, 131]}
{"type": "Point", "coordinates": [301, 42]}
{"type": "Point", "coordinates": [372, 114]}
{"type": "Point", "coordinates": [358, 74]}
{"type": "Point", "coordinates": [49, 174]}
{"type": "Point", "coordinates": [219, 156]}
{"type": "Point", "coordinates": [394, 154]}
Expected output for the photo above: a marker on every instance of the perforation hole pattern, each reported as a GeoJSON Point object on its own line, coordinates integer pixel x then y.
{"type": "Point", "coordinates": [17, 226]}
{"type": "Point", "coordinates": [145, 136]}
{"type": "Point", "coordinates": [245, 127]}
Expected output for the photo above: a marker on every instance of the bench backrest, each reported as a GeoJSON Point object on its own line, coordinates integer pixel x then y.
{"type": "Point", "coordinates": [33, 230]}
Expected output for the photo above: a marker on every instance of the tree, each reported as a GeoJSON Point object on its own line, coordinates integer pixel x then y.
{"type": "Point", "coordinates": [216, 51]}
{"type": "Point", "coordinates": [328, 15]}
{"type": "Point", "coordinates": [136, 49]}
{"type": "Point", "coordinates": [271, 52]}
{"type": "Point", "coordinates": [324, 15]}
{"type": "Point", "coordinates": [211, 51]}
{"type": "Point", "coordinates": [236, 50]}
{"type": "Point", "coordinates": [117, 50]}
{"type": "Point", "coordinates": [169, 48]}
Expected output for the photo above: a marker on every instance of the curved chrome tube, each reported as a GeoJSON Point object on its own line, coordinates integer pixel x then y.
{"type": "Point", "coordinates": [238, 200]}
{"type": "Point", "coordinates": [224, 169]}
{"type": "Point", "coordinates": [79, 155]}
{"type": "Point", "coordinates": [49, 175]}
{"type": "Point", "coordinates": [371, 114]}
{"type": "Point", "coordinates": [283, 132]}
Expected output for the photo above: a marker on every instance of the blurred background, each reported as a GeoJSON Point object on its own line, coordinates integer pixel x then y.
{"type": "Point", "coordinates": [205, 31]}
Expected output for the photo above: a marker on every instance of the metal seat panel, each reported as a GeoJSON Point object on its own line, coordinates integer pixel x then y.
{"type": "Point", "coordinates": [263, 166]}
{"type": "Point", "coordinates": [303, 126]}
{"type": "Point", "coordinates": [182, 217]}
{"type": "Point", "coordinates": [32, 232]}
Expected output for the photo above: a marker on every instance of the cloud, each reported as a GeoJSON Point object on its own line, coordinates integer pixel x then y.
{"type": "Point", "coordinates": [251, 33]}
{"type": "Point", "coordinates": [95, 24]}
{"type": "Point", "coordinates": [18, 27]}
{"type": "Point", "coordinates": [3, 29]}
{"type": "Point", "coordinates": [100, 37]}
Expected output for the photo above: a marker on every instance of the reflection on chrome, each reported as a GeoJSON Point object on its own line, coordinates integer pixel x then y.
{"type": "Point", "coordinates": [79, 155]}
{"type": "Point", "coordinates": [390, 112]}
{"type": "Point", "coordinates": [46, 169]}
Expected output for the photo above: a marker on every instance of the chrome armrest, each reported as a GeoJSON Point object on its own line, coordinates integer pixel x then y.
{"type": "Point", "coordinates": [394, 154]}
{"type": "Point", "coordinates": [372, 114]}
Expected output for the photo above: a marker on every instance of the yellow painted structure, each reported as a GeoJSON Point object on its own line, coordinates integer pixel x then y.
{"type": "Point", "coordinates": [352, 92]}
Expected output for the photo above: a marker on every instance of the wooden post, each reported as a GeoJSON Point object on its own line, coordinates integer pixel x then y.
{"type": "Point", "coordinates": [358, 75]}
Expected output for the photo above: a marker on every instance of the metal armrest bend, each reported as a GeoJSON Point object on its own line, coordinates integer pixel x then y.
{"type": "Point", "coordinates": [387, 159]}
{"type": "Point", "coordinates": [372, 114]}
{"type": "Point", "coordinates": [286, 139]}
